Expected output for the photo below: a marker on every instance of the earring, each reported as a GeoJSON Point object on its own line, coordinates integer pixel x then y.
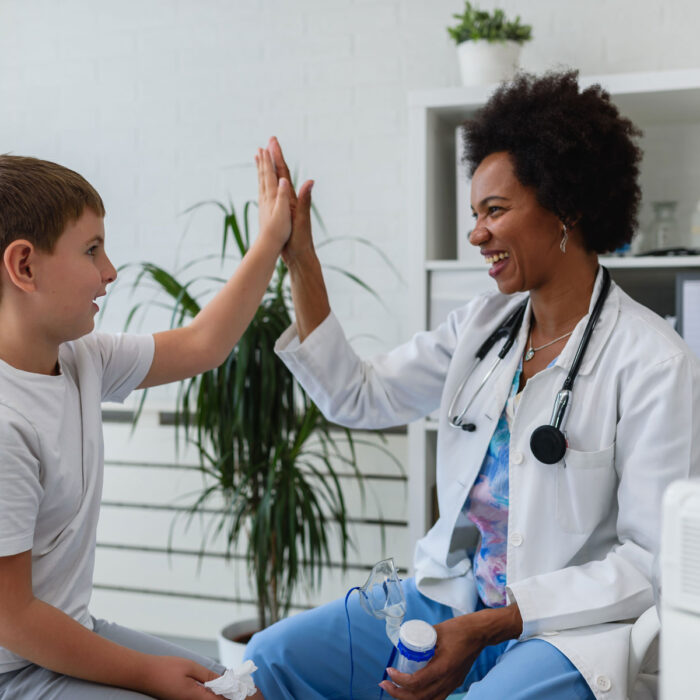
{"type": "Point", "coordinates": [564, 238]}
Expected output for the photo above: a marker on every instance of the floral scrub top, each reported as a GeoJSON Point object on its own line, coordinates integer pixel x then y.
{"type": "Point", "coordinates": [487, 507]}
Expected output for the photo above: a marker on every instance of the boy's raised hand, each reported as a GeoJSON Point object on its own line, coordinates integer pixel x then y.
{"type": "Point", "coordinates": [208, 339]}
{"type": "Point", "coordinates": [274, 200]}
{"type": "Point", "coordinates": [301, 240]}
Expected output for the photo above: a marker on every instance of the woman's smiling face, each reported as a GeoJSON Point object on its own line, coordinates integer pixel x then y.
{"type": "Point", "coordinates": [516, 235]}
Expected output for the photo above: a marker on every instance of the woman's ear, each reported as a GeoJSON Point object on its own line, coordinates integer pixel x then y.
{"type": "Point", "coordinates": [18, 261]}
{"type": "Point", "coordinates": [571, 221]}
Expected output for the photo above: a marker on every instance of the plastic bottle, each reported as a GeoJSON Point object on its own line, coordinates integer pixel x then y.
{"type": "Point", "coordinates": [663, 230]}
{"type": "Point", "coordinates": [416, 645]}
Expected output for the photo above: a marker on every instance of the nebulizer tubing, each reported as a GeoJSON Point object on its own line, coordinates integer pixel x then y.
{"type": "Point", "coordinates": [382, 597]}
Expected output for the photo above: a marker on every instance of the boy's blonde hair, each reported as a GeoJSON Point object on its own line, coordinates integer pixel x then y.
{"type": "Point", "coordinates": [38, 199]}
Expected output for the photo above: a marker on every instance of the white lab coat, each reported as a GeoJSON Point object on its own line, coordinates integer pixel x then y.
{"type": "Point", "coordinates": [583, 533]}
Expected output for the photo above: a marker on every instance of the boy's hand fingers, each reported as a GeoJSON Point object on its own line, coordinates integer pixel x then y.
{"type": "Point", "coordinates": [269, 176]}
{"type": "Point", "coordinates": [283, 194]}
{"type": "Point", "coordinates": [260, 162]}
{"type": "Point", "coordinates": [204, 675]}
{"type": "Point", "coordinates": [257, 168]}
{"type": "Point", "coordinates": [282, 170]}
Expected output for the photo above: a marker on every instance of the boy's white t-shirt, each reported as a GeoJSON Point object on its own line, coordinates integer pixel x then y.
{"type": "Point", "coordinates": [51, 464]}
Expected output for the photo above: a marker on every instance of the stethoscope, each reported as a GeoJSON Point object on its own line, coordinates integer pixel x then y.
{"type": "Point", "coordinates": [548, 442]}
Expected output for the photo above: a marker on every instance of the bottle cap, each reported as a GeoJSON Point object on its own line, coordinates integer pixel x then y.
{"type": "Point", "coordinates": [417, 635]}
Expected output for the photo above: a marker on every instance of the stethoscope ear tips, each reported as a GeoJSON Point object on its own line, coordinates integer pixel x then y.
{"type": "Point", "coordinates": [469, 427]}
{"type": "Point", "coordinates": [548, 444]}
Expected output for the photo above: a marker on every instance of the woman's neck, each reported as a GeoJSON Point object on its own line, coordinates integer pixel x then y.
{"type": "Point", "coordinates": [560, 303]}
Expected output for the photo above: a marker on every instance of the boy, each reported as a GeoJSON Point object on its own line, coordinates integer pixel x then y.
{"type": "Point", "coordinates": [54, 372]}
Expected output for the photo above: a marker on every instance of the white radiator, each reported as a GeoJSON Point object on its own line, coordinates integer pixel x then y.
{"type": "Point", "coordinates": [680, 581]}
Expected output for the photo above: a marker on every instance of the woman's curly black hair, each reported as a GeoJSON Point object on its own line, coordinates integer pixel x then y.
{"type": "Point", "coordinates": [573, 147]}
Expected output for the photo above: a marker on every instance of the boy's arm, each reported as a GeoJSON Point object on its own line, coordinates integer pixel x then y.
{"type": "Point", "coordinates": [49, 638]}
{"type": "Point", "coordinates": [207, 341]}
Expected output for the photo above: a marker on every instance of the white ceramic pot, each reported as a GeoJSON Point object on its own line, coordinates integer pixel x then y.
{"type": "Point", "coordinates": [483, 62]}
{"type": "Point", "coordinates": [231, 651]}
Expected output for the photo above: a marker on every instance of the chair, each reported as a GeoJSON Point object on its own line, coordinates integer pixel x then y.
{"type": "Point", "coordinates": [643, 664]}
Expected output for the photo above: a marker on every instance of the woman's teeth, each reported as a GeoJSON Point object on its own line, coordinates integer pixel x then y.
{"type": "Point", "coordinates": [495, 258]}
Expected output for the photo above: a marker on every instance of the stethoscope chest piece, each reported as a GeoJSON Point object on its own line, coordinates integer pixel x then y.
{"type": "Point", "coordinates": [548, 444]}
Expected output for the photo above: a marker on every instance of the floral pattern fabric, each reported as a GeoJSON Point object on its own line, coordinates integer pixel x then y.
{"type": "Point", "coordinates": [487, 507]}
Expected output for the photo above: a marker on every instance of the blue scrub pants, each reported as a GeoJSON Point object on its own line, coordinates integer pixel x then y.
{"type": "Point", "coordinates": [307, 656]}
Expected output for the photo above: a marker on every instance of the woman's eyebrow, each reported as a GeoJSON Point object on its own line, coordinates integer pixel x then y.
{"type": "Point", "coordinates": [486, 200]}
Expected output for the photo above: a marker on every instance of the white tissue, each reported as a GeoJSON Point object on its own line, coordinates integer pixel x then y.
{"type": "Point", "coordinates": [235, 685]}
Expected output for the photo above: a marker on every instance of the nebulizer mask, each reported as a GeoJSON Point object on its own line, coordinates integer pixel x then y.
{"type": "Point", "coordinates": [383, 598]}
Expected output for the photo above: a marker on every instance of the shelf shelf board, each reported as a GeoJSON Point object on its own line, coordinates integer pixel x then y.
{"type": "Point", "coordinates": [650, 262]}
{"type": "Point", "coordinates": [646, 97]}
{"type": "Point", "coordinates": [611, 262]}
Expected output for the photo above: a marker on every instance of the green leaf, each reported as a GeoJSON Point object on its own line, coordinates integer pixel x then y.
{"type": "Point", "coordinates": [473, 24]}
{"type": "Point", "coordinates": [263, 445]}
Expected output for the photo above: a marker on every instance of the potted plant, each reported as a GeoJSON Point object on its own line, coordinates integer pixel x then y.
{"type": "Point", "coordinates": [263, 445]}
{"type": "Point", "coordinates": [488, 44]}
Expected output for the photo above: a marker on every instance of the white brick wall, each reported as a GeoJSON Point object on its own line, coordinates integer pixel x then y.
{"type": "Point", "coordinates": [161, 104]}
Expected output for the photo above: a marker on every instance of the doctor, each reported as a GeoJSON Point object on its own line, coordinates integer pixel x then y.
{"type": "Point", "coordinates": [539, 561]}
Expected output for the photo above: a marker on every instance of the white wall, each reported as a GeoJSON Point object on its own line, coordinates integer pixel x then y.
{"type": "Point", "coordinates": [161, 104]}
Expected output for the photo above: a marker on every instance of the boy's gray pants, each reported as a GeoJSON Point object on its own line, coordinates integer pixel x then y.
{"type": "Point", "coordinates": [36, 683]}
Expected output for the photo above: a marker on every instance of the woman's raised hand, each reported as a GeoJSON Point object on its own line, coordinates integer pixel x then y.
{"type": "Point", "coordinates": [274, 200]}
{"type": "Point", "coordinates": [300, 241]}
{"type": "Point", "coordinates": [308, 288]}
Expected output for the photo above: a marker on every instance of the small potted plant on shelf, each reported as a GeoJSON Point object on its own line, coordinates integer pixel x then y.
{"type": "Point", "coordinates": [264, 448]}
{"type": "Point", "coordinates": [488, 44]}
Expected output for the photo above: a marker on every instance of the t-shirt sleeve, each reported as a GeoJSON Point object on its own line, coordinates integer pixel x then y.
{"type": "Point", "coordinates": [21, 491]}
{"type": "Point", "coordinates": [125, 359]}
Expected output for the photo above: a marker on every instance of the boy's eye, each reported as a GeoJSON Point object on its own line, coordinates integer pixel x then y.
{"type": "Point", "coordinates": [92, 250]}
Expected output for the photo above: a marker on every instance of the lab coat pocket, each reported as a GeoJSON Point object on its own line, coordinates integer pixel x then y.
{"type": "Point", "coordinates": [585, 489]}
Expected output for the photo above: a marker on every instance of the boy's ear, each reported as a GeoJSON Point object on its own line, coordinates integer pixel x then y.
{"type": "Point", "coordinates": [18, 260]}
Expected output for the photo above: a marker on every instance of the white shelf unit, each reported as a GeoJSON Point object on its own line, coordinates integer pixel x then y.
{"type": "Point", "coordinates": [655, 101]}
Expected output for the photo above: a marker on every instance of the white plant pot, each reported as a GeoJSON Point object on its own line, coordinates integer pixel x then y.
{"type": "Point", "coordinates": [230, 651]}
{"type": "Point", "coordinates": [483, 62]}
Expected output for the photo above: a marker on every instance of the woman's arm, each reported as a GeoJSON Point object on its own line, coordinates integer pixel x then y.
{"type": "Point", "coordinates": [49, 638]}
{"type": "Point", "coordinates": [389, 389]}
{"type": "Point", "coordinates": [459, 641]}
{"type": "Point", "coordinates": [311, 305]}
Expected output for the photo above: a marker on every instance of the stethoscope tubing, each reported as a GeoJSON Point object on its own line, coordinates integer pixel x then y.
{"type": "Point", "coordinates": [456, 421]}
{"type": "Point", "coordinates": [511, 326]}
